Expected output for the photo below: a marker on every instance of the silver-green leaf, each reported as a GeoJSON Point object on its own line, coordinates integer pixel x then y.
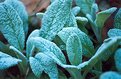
{"type": "Point", "coordinates": [48, 65]}
{"type": "Point", "coordinates": [45, 46]}
{"type": "Point", "coordinates": [117, 58]}
{"type": "Point", "coordinates": [21, 10]}
{"type": "Point", "coordinates": [11, 26]}
{"type": "Point", "coordinates": [74, 49]}
{"type": "Point", "coordinates": [36, 66]}
{"type": "Point", "coordinates": [55, 18]}
{"type": "Point", "coordinates": [7, 61]}
{"type": "Point", "coordinates": [88, 48]}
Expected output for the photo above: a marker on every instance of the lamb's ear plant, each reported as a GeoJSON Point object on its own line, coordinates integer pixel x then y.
{"type": "Point", "coordinates": [62, 44]}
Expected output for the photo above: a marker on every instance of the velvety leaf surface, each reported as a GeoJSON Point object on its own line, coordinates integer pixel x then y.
{"type": "Point", "coordinates": [74, 49]}
{"type": "Point", "coordinates": [87, 45]}
{"type": "Point", "coordinates": [45, 46]}
{"type": "Point", "coordinates": [55, 18]}
{"type": "Point", "coordinates": [21, 10]}
{"type": "Point", "coordinates": [48, 65]}
{"type": "Point", "coordinates": [11, 26]}
{"type": "Point", "coordinates": [117, 22]}
{"type": "Point", "coordinates": [7, 61]}
{"type": "Point", "coordinates": [36, 66]}
{"type": "Point", "coordinates": [114, 32]}
{"type": "Point", "coordinates": [110, 75]}
{"type": "Point", "coordinates": [117, 58]}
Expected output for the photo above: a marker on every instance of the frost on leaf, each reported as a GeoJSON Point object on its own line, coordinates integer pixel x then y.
{"type": "Point", "coordinates": [74, 49]}
{"type": "Point", "coordinates": [56, 17]}
{"type": "Point", "coordinates": [117, 58]}
{"type": "Point", "coordinates": [7, 61]}
{"type": "Point", "coordinates": [87, 46]}
{"type": "Point", "coordinates": [42, 62]}
{"type": "Point", "coordinates": [45, 46]}
{"type": "Point", "coordinates": [11, 26]}
{"type": "Point", "coordinates": [21, 10]}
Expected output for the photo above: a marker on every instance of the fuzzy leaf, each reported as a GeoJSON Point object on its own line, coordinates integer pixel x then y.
{"type": "Point", "coordinates": [29, 50]}
{"type": "Point", "coordinates": [74, 49]}
{"type": "Point", "coordinates": [36, 66]}
{"type": "Point", "coordinates": [102, 16]}
{"type": "Point", "coordinates": [55, 18]}
{"type": "Point", "coordinates": [108, 43]}
{"type": "Point", "coordinates": [114, 32]}
{"type": "Point", "coordinates": [76, 10]}
{"type": "Point", "coordinates": [21, 10]}
{"type": "Point", "coordinates": [85, 5]}
{"type": "Point", "coordinates": [48, 65]}
{"type": "Point", "coordinates": [11, 26]}
{"type": "Point", "coordinates": [45, 46]}
{"type": "Point", "coordinates": [87, 45]}
{"type": "Point", "coordinates": [7, 61]}
{"type": "Point", "coordinates": [117, 58]}
{"type": "Point", "coordinates": [117, 22]}
{"type": "Point", "coordinates": [110, 75]}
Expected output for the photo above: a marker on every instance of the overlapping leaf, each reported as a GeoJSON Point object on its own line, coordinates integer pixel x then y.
{"type": "Point", "coordinates": [87, 45]}
{"type": "Point", "coordinates": [74, 49]}
{"type": "Point", "coordinates": [7, 61]}
{"type": "Point", "coordinates": [21, 10]}
{"type": "Point", "coordinates": [55, 18]}
{"type": "Point", "coordinates": [42, 62]}
{"type": "Point", "coordinates": [45, 46]}
{"type": "Point", "coordinates": [11, 26]}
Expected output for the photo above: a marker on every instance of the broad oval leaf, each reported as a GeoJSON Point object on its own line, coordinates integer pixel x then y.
{"type": "Point", "coordinates": [48, 64]}
{"type": "Point", "coordinates": [102, 16]}
{"type": "Point", "coordinates": [45, 46]}
{"type": "Point", "coordinates": [114, 32]}
{"type": "Point", "coordinates": [36, 66]}
{"type": "Point", "coordinates": [74, 49]}
{"type": "Point", "coordinates": [7, 61]}
{"type": "Point", "coordinates": [11, 26]}
{"type": "Point", "coordinates": [55, 18]}
{"type": "Point", "coordinates": [21, 10]}
{"type": "Point", "coordinates": [117, 58]}
{"type": "Point", "coordinates": [88, 48]}
{"type": "Point", "coordinates": [110, 75]}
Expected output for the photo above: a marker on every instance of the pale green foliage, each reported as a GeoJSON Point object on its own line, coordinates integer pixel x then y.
{"type": "Point", "coordinates": [87, 45]}
{"type": "Point", "coordinates": [76, 10]}
{"type": "Point", "coordinates": [11, 26]}
{"type": "Point", "coordinates": [21, 10]}
{"type": "Point", "coordinates": [45, 46]}
{"type": "Point", "coordinates": [36, 66]}
{"type": "Point", "coordinates": [110, 75]}
{"type": "Point", "coordinates": [117, 22]}
{"type": "Point", "coordinates": [7, 61]}
{"type": "Point", "coordinates": [102, 16]}
{"type": "Point", "coordinates": [117, 58]}
{"type": "Point", "coordinates": [85, 5]}
{"type": "Point", "coordinates": [114, 32]}
{"type": "Point", "coordinates": [74, 49]}
{"type": "Point", "coordinates": [57, 15]}
{"type": "Point", "coordinates": [44, 63]}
